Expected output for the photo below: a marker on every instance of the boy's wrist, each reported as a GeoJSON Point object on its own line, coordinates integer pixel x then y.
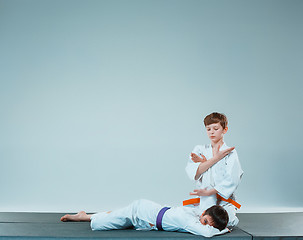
{"type": "Point", "coordinates": [213, 191]}
{"type": "Point", "coordinates": [215, 158]}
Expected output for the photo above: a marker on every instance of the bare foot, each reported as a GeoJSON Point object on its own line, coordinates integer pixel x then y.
{"type": "Point", "coordinates": [196, 158]}
{"type": "Point", "coordinates": [80, 216]}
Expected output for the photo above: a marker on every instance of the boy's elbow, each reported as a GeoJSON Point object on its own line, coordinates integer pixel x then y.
{"type": "Point", "coordinates": [208, 235]}
{"type": "Point", "coordinates": [203, 233]}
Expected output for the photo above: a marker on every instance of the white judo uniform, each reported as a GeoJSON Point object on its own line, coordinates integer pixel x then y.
{"type": "Point", "coordinates": [224, 176]}
{"type": "Point", "coordinates": [142, 215]}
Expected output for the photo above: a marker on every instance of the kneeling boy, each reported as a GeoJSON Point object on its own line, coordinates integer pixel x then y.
{"type": "Point", "coordinates": [147, 215]}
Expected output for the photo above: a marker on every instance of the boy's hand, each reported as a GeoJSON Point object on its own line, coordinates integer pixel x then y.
{"type": "Point", "coordinates": [195, 158]}
{"type": "Point", "coordinates": [202, 192]}
{"type": "Point", "coordinates": [221, 154]}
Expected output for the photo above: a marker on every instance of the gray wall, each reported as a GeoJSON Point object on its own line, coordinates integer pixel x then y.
{"type": "Point", "coordinates": [101, 102]}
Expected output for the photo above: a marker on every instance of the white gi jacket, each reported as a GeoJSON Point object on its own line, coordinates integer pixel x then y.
{"type": "Point", "coordinates": [224, 176]}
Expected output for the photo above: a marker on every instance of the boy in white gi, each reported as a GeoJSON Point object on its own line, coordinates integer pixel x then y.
{"type": "Point", "coordinates": [147, 215]}
{"type": "Point", "coordinates": [216, 169]}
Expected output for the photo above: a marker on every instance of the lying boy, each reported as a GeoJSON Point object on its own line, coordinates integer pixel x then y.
{"type": "Point", "coordinates": [147, 215]}
{"type": "Point", "coordinates": [216, 169]}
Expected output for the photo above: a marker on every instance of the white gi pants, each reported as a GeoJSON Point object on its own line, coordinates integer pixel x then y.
{"type": "Point", "coordinates": [139, 214]}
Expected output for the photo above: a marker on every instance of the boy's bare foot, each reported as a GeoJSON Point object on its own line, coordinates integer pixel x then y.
{"type": "Point", "coordinates": [80, 216]}
{"type": "Point", "coordinates": [196, 158]}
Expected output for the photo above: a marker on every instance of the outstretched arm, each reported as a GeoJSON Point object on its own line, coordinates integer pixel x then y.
{"type": "Point", "coordinates": [204, 192]}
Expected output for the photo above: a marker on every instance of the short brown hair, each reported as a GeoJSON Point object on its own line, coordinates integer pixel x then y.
{"type": "Point", "coordinates": [216, 118]}
{"type": "Point", "coordinates": [219, 216]}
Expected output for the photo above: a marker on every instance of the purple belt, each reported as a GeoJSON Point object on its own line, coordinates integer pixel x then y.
{"type": "Point", "coordinates": [159, 218]}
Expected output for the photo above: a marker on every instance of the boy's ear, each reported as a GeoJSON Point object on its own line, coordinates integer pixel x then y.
{"type": "Point", "coordinates": [225, 130]}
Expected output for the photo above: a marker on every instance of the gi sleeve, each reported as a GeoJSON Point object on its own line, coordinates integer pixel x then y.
{"type": "Point", "coordinates": [227, 181]}
{"type": "Point", "coordinates": [233, 219]}
{"type": "Point", "coordinates": [191, 167]}
{"type": "Point", "coordinates": [204, 230]}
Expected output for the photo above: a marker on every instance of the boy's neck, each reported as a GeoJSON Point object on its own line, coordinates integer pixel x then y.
{"type": "Point", "coordinates": [215, 144]}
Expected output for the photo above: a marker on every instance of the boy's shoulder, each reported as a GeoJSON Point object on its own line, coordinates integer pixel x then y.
{"type": "Point", "coordinates": [225, 146]}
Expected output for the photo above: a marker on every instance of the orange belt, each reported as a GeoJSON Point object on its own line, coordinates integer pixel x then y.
{"type": "Point", "coordinates": [233, 202]}
{"type": "Point", "coordinates": [191, 201]}
{"type": "Point", "coordinates": [197, 200]}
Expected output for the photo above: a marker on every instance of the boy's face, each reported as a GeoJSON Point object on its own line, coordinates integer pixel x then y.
{"type": "Point", "coordinates": [206, 220]}
{"type": "Point", "coordinates": [215, 132]}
